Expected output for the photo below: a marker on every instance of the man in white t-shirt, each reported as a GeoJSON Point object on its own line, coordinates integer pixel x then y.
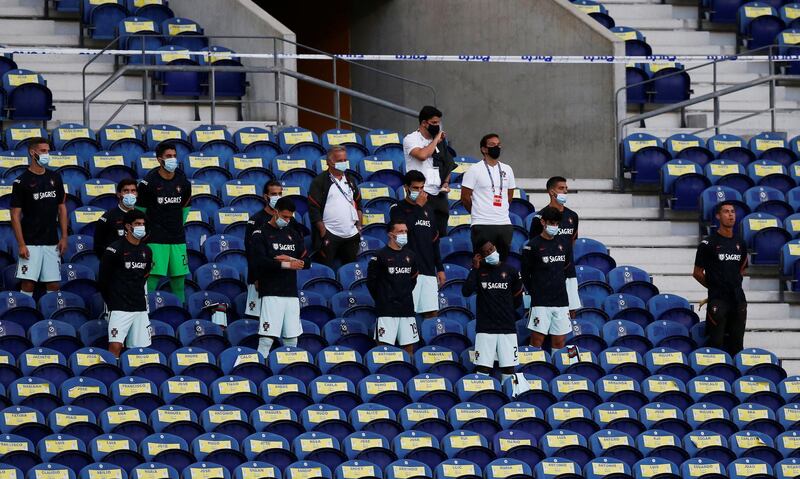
{"type": "Point", "coordinates": [486, 191]}
{"type": "Point", "coordinates": [425, 150]}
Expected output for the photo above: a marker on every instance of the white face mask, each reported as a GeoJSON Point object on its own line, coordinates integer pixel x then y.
{"type": "Point", "coordinates": [561, 198]}
{"type": "Point", "coordinates": [129, 200]}
{"type": "Point", "coordinates": [139, 232]}
{"type": "Point", "coordinates": [170, 164]}
{"type": "Point", "coordinates": [402, 239]}
{"type": "Point", "coordinates": [493, 258]}
{"type": "Point", "coordinates": [551, 230]}
{"type": "Point", "coordinates": [273, 200]}
{"type": "Point", "coordinates": [43, 159]}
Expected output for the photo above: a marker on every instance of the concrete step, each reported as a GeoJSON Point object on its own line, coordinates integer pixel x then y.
{"type": "Point", "coordinates": [48, 68]}
{"type": "Point", "coordinates": [653, 241]}
{"type": "Point", "coordinates": [36, 40]}
{"type": "Point", "coordinates": [657, 38]}
{"type": "Point", "coordinates": [597, 200]}
{"type": "Point", "coordinates": [674, 48]}
{"type": "Point", "coordinates": [575, 184]}
{"type": "Point", "coordinates": [637, 229]}
{"type": "Point", "coordinates": [622, 214]}
{"type": "Point", "coordinates": [753, 125]}
{"type": "Point", "coordinates": [687, 283]}
{"type": "Point", "coordinates": [59, 82]}
{"type": "Point", "coordinates": [774, 340]}
{"type": "Point", "coordinates": [635, 256]}
{"type": "Point", "coordinates": [23, 27]}
{"type": "Point", "coordinates": [661, 23]}
{"type": "Point", "coordinates": [778, 324]}
{"type": "Point", "coordinates": [792, 366]}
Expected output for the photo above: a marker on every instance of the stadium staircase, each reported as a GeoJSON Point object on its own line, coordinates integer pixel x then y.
{"type": "Point", "coordinates": [671, 29]}
{"type": "Point", "coordinates": [631, 226]}
{"type": "Point", "coordinates": [22, 24]}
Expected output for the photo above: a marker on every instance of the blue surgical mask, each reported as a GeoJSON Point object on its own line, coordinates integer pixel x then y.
{"type": "Point", "coordinates": [341, 166]}
{"type": "Point", "coordinates": [43, 159]}
{"type": "Point", "coordinates": [493, 258]}
{"type": "Point", "coordinates": [282, 223]}
{"type": "Point", "coordinates": [402, 239]}
{"type": "Point", "coordinates": [170, 164]}
{"type": "Point", "coordinates": [551, 230]}
{"type": "Point", "coordinates": [129, 200]}
{"type": "Point", "coordinates": [561, 198]}
{"type": "Point", "coordinates": [413, 195]}
{"type": "Point", "coordinates": [139, 232]}
{"type": "Point", "coordinates": [273, 200]}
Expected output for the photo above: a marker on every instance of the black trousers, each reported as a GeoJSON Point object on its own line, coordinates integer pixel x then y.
{"type": "Point", "coordinates": [441, 211]}
{"type": "Point", "coordinates": [334, 248]}
{"type": "Point", "coordinates": [499, 235]}
{"type": "Point", "coordinates": [725, 325]}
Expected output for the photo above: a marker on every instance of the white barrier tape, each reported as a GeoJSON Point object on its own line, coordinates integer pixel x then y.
{"type": "Point", "coordinates": [575, 59]}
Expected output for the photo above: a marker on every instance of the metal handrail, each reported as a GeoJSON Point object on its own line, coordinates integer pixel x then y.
{"type": "Point", "coordinates": [276, 70]}
{"type": "Point", "coordinates": [772, 78]}
{"type": "Point", "coordinates": [88, 99]}
{"type": "Point", "coordinates": [714, 96]}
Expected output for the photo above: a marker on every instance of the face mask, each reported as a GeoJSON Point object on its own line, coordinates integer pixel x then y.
{"type": "Point", "coordinates": [138, 232]}
{"type": "Point", "coordinates": [561, 198]}
{"type": "Point", "coordinates": [413, 195]}
{"type": "Point", "coordinates": [493, 258]}
{"type": "Point", "coordinates": [128, 200]}
{"type": "Point", "coordinates": [273, 200]}
{"type": "Point", "coordinates": [433, 130]}
{"type": "Point", "coordinates": [402, 239]}
{"type": "Point", "coordinates": [551, 230]}
{"type": "Point", "coordinates": [493, 152]}
{"type": "Point", "coordinates": [43, 159]}
{"type": "Point", "coordinates": [282, 223]}
{"type": "Point", "coordinates": [170, 164]}
{"type": "Point", "coordinates": [341, 166]}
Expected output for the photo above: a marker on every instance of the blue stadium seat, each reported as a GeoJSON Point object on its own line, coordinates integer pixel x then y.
{"type": "Point", "coordinates": [765, 199]}
{"type": "Point", "coordinates": [758, 25]}
{"type": "Point", "coordinates": [764, 235]}
{"type": "Point", "coordinates": [730, 174]}
{"type": "Point", "coordinates": [760, 362]}
{"type": "Point", "coordinates": [589, 252]}
{"type": "Point", "coordinates": [184, 32]}
{"type": "Point", "coordinates": [27, 96]}
{"type": "Point", "coordinates": [177, 83]}
{"type": "Point", "coordinates": [684, 181]}
{"type": "Point", "coordinates": [632, 280]}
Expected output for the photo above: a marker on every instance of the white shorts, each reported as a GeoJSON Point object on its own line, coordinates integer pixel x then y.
{"type": "Point", "coordinates": [43, 265]}
{"type": "Point", "coordinates": [496, 347]}
{"type": "Point", "coordinates": [572, 293]}
{"type": "Point", "coordinates": [131, 327]}
{"type": "Point", "coordinates": [402, 331]}
{"type": "Point", "coordinates": [253, 305]}
{"type": "Point", "coordinates": [280, 317]}
{"type": "Point", "coordinates": [426, 294]}
{"type": "Point", "coordinates": [550, 320]}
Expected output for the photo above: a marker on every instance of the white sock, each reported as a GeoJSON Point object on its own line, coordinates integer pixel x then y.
{"type": "Point", "coordinates": [26, 293]}
{"type": "Point", "coordinates": [503, 377]}
{"type": "Point", "coordinates": [264, 345]}
{"type": "Point", "coordinates": [290, 342]}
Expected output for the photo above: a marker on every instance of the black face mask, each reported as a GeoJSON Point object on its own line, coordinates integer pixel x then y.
{"type": "Point", "coordinates": [433, 130]}
{"type": "Point", "coordinates": [493, 152]}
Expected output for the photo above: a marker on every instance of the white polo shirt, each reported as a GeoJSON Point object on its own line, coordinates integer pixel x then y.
{"type": "Point", "coordinates": [340, 215]}
{"type": "Point", "coordinates": [432, 179]}
{"type": "Point", "coordinates": [484, 210]}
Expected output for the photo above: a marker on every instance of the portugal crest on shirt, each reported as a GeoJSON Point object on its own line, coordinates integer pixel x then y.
{"type": "Point", "coordinates": [722, 257]}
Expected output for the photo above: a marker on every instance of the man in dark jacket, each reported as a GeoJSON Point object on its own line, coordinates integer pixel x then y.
{"type": "Point", "coordinates": [334, 211]}
{"type": "Point", "coordinates": [391, 277]}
